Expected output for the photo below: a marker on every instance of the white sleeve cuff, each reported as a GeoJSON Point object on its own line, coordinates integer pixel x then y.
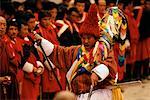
{"type": "Point", "coordinates": [102, 71]}
{"type": "Point", "coordinates": [28, 67]}
{"type": "Point", "coordinates": [47, 46]}
{"type": "Point", "coordinates": [39, 64]}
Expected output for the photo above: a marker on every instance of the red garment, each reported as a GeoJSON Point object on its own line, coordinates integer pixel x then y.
{"type": "Point", "coordinates": [14, 49]}
{"type": "Point", "coordinates": [9, 61]}
{"type": "Point", "coordinates": [49, 34]}
{"type": "Point", "coordinates": [4, 67]}
{"type": "Point", "coordinates": [30, 85]}
{"type": "Point", "coordinates": [134, 37]}
{"type": "Point", "coordinates": [143, 50]}
{"type": "Point", "coordinates": [31, 82]}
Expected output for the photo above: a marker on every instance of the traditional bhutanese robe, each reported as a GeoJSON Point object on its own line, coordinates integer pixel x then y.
{"type": "Point", "coordinates": [48, 33]}
{"type": "Point", "coordinates": [134, 37]}
{"type": "Point", "coordinates": [10, 59]}
{"type": "Point", "coordinates": [63, 58]}
{"type": "Point", "coordinates": [31, 59]}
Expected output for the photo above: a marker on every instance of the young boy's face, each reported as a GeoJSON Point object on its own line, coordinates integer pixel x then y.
{"type": "Point", "coordinates": [80, 7]}
{"type": "Point", "coordinates": [31, 23]}
{"type": "Point", "coordinates": [45, 22]}
{"type": "Point", "coordinates": [24, 29]}
{"type": "Point", "coordinates": [88, 41]}
{"type": "Point", "coordinates": [12, 32]}
{"type": "Point", "coordinates": [74, 17]}
{"type": "Point", "coordinates": [53, 13]}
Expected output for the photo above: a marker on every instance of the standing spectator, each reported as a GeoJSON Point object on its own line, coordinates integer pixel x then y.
{"type": "Point", "coordinates": [8, 89]}
{"type": "Point", "coordinates": [143, 56]}
{"type": "Point", "coordinates": [80, 5]}
{"type": "Point", "coordinates": [134, 37]}
{"type": "Point", "coordinates": [73, 15]}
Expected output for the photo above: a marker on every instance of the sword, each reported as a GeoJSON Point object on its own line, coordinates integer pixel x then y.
{"type": "Point", "coordinates": [129, 84]}
{"type": "Point", "coordinates": [44, 54]}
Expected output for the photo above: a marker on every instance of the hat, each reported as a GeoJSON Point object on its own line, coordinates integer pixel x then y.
{"type": "Point", "coordinates": [90, 24]}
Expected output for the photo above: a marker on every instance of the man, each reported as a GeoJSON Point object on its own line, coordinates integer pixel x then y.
{"type": "Point", "coordinates": [31, 64]}
{"type": "Point", "coordinates": [133, 37]}
{"type": "Point", "coordinates": [8, 64]}
{"type": "Point", "coordinates": [45, 28]}
{"type": "Point", "coordinates": [73, 15]}
{"type": "Point", "coordinates": [143, 51]}
{"type": "Point", "coordinates": [86, 67]}
{"type": "Point", "coordinates": [80, 5]}
{"type": "Point", "coordinates": [48, 32]}
{"type": "Point", "coordinates": [101, 7]}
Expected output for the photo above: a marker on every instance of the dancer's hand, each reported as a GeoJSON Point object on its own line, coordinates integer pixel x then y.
{"type": "Point", "coordinates": [94, 79]}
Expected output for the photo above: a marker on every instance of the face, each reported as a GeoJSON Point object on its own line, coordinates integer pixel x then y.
{"type": "Point", "coordinates": [147, 5]}
{"type": "Point", "coordinates": [39, 4]}
{"type": "Point", "coordinates": [101, 7]}
{"type": "Point", "coordinates": [80, 7]}
{"type": "Point", "coordinates": [12, 32]}
{"type": "Point", "coordinates": [130, 6]}
{"type": "Point", "coordinates": [2, 26]}
{"type": "Point", "coordinates": [74, 16]}
{"type": "Point", "coordinates": [31, 23]}
{"type": "Point", "coordinates": [120, 6]}
{"type": "Point", "coordinates": [45, 22]}
{"type": "Point", "coordinates": [24, 29]}
{"type": "Point", "coordinates": [88, 41]}
{"type": "Point", "coordinates": [21, 8]}
{"type": "Point", "coordinates": [53, 13]}
{"type": "Point", "coordinates": [111, 4]}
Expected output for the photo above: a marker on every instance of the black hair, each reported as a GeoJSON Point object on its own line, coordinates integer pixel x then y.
{"type": "Point", "coordinates": [12, 22]}
{"type": "Point", "coordinates": [71, 10]}
{"type": "Point", "coordinates": [43, 14]}
{"type": "Point", "coordinates": [27, 16]}
{"type": "Point", "coordinates": [17, 4]}
{"type": "Point", "coordinates": [80, 1]}
{"type": "Point", "coordinates": [29, 5]}
{"type": "Point", "coordinates": [62, 10]}
{"type": "Point", "coordinates": [49, 5]}
{"type": "Point", "coordinates": [8, 8]}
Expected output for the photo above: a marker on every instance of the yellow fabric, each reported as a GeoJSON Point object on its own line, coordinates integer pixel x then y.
{"type": "Point", "coordinates": [117, 94]}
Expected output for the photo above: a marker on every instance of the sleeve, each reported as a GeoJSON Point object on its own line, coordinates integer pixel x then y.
{"type": "Point", "coordinates": [102, 71]}
{"type": "Point", "coordinates": [61, 57]}
{"type": "Point", "coordinates": [28, 67]}
{"type": "Point", "coordinates": [47, 46]}
{"type": "Point", "coordinates": [107, 67]}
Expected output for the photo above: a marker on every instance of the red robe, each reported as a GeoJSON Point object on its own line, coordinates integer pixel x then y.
{"type": "Point", "coordinates": [31, 82]}
{"type": "Point", "coordinates": [49, 34]}
{"type": "Point", "coordinates": [10, 58]}
{"type": "Point", "coordinates": [134, 37]}
{"type": "Point", "coordinates": [47, 76]}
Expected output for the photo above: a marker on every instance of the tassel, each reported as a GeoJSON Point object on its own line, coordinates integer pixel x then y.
{"type": "Point", "coordinates": [117, 94]}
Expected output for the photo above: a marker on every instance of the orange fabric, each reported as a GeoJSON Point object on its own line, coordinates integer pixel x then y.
{"type": "Point", "coordinates": [49, 34]}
